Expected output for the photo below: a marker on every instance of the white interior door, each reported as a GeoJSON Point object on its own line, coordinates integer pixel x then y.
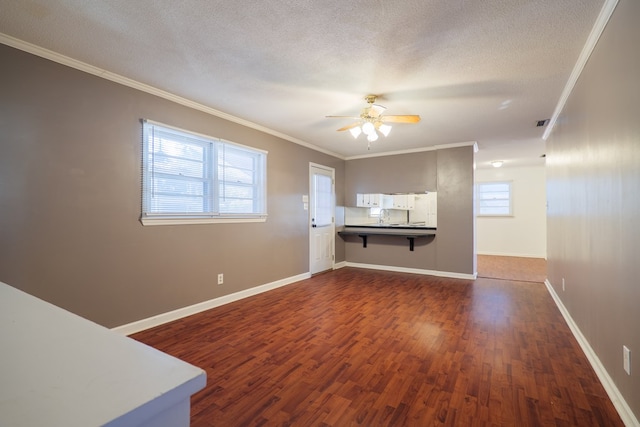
{"type": "Point", "coordinates": [321, 218]}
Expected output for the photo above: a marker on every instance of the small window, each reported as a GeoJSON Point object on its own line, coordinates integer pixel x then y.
{"type": "Point", "coordinates": [375, 212]}
{"type": "Point", "coordinates": [191, 178]}
{"type": "Point", "coordinates": [494, 199]}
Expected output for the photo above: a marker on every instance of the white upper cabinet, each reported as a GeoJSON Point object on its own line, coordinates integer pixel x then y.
{"type": "Point", "coordinates": [386, 201]}
{"type": "Point", "coordinates": [404, 201]}
{"type": "Point", "coordinates": [375, 200]}
{"type": "Point", "coordinates": [369, 200]}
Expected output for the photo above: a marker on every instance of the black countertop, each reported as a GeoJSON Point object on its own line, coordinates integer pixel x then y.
{"type": "Point", "coordinates": [418, 226]}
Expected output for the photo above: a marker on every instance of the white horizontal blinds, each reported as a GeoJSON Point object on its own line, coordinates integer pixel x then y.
{"type": "Point", "coordinates": [240, 177]}
{"type": "Point", "coordinates": [494, 198]}
{"type": "Point", "coordinates": [177, 173]}
{"type": "Point", "coordinates": [190, 175]}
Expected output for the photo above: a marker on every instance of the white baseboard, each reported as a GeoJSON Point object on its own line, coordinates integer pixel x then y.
{"type": "Point", "coordinates": [618, 401]}
{"type": "Point", "coordinates": [542, 256]}
{"type": "Point", "coordinates": [338, 265]}
{"type": "Point", "coordinates": [413, 270]}
{"type": "Point", "coordinates": [160, 319]}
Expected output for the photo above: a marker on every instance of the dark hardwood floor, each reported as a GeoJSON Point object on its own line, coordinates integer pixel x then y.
{"type": "Point", "coordinates": [372, 348]}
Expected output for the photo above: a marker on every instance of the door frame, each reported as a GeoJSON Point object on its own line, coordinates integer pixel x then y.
{"type": "Point", "coordinates": [333, 202]}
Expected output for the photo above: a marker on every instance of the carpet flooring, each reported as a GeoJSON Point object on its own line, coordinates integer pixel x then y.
{"type": "Point", "coordinates": [512, 268]}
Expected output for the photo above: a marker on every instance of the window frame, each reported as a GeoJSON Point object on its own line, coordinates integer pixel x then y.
{"type": "Point", "coordinates": [212, 147]}
{"type": "Point", "coordinates": [479, 199]}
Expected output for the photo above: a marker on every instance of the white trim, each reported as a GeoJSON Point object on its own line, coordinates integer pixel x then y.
{"type": "Point", "coordinates": [146, 221]}
{"type": "Point", "coordinates": [625, 412]}
{"type": "Point", "coordinates": [125, 81]}
{"type": "Point", "coordinates": [332, 171]}
{"type": "Point", "coordinates": [413, 270]}
{"type": "Point", "coordinates": [326, 168]}
{"type": "Point", "coordinates": [418, 150]}
{"type": "Point", "coordinates": [587, 50]}
{"type": "Point", "coordinates": [479, 185]}
{"type": "Point", "coordinates": [540, 256]}
{"type": "Point", "coordinates": [160, 319]}
{"type": "Point", "coordinates": [82, 66]}
{"type": "Point", "coordinates": [170, 316]}
{"type": "Point", "coordinates": [207, 138]}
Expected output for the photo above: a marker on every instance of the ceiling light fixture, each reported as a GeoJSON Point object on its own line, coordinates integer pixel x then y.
{"type": "Point", "coordinates": [497, 163]}
{"type": "Point", "coordinates": [370, 127]}
{"type": "Point", "coordinates": [384, 129]}
{"type": "Point", "coordinates": [371, 121]}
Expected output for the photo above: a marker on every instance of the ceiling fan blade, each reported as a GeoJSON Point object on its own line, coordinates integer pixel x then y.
{"type": "Point", "coordinates": [347, 127]}
{"type": "Point", "coordinates": [401, 119]}
{"type": "Point", "coordinates": [342, 117]}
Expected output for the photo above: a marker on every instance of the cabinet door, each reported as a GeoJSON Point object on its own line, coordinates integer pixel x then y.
{"type": "Point", "coordinates": [400, 201]}
{"type": "Point", "coordinates": [375, 200]}
{"type": "Point", "coordinates": [387, 201]}
{"type": "Point", "coordinates": [360, 200]}
{"type": "Point", "coordinates": [432, 209]}
{"type": "Point", "coordinates": [411, 202]}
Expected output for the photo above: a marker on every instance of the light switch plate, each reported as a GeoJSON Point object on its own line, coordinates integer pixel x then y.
{"type": "Point", "coordinates": [626, 359]}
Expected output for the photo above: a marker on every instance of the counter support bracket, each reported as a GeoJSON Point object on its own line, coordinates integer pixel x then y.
{"type": "Point", "coordinates": [364, 236]}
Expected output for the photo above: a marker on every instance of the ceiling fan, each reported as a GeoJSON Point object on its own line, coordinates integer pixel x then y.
{"type": "Point", "coordinates": [371, 121]}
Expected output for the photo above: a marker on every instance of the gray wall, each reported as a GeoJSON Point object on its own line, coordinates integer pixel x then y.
{"type": "Point", "coordinates": [448, 171]}
{"type": "Point", "coordinates": [70, 196]}
{"type": "Point", "coordinates": [593, 190]}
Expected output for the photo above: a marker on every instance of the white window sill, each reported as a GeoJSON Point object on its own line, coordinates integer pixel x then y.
{"type": "Point", "coordinates": [199, 220]}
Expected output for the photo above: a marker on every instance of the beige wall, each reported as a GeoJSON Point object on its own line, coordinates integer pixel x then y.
{"type": "Point", "coordinates": [447, 171]}
{"type": "Point", "coordinates": [70, 196]}
{"type": "Point", "coordinates": [593, 191]}
{"type": "Point", "coordinates": [525, 233]}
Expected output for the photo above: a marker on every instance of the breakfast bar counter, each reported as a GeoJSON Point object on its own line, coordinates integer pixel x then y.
{"type": "Point", "coordinates": [411, 232]}
{"type": "Point", "coordinates": [60, 370]}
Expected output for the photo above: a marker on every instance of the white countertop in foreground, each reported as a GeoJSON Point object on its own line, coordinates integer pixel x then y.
{"type": "Point", "coordinates": [58, 369]}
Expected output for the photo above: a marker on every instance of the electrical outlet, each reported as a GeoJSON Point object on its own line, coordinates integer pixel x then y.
{"type": "Point", "coordinates": [563, 284]}
{"type": "Point", "coordinates": [626, 359]}
{"type": "Point", "coordinates": [220, 279]}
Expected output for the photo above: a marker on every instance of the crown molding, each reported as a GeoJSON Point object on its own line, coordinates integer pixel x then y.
{"type": "Point", "coordinates": [601, 22]}
{"type": "Point", "coordinates": [418, 150]}
{"type": "Point", "coordinates": [125, 81]}
{"type": "Point", "coordinates": [99, 72]}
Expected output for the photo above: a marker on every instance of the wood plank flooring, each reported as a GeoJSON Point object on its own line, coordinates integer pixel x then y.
{"type": "Point", "coordinates": [357, 347]}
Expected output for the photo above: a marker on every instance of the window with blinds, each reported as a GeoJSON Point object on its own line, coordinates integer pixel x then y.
{"type": "Point", "coordinates": [189, 178]}
{"type": "Point", "coordinates": [494, 199]}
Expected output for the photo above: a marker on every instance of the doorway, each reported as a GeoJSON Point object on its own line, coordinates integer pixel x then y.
{"type": "Point", "coordinates": [321, 218]}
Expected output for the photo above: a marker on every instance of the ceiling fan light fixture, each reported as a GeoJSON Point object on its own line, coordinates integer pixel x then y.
{"type": "Point", "coordinates": [371, 121]}
{"type": "Point", "coordinates": [497, 163]}
{"type": "Point", "coordinates": [376, 109]}
{"type": "Point", "coordinates": [384, 129]}
{"type": "Point", "coordinates": [368, 129]}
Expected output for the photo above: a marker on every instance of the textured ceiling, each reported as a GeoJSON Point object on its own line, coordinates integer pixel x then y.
{"type": "Point", "coordinates": [482, 71]}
